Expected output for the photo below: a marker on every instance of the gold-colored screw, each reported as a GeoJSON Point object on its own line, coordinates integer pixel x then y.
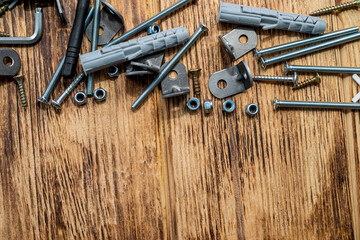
{"type": "Point", "coordinates": [19, 81]}
{"type": "Point", "coordinates": [334, 8]}
{"type": "Point", "coordinates": [4, 34]}
{"type": "Point", "coordinates": [195, 77]}
{"type": "Point", "coordinates": [313, 81]}
{"type": "Point", "coordinates": [4, 8]}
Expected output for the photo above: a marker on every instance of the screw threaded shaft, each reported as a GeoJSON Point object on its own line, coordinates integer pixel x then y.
{"type": "Point", "coordinates": [4, 34]}
{"type": "Point", "coordinates": [4, 8]}
{"type": "Point", "coordinates": [273, 78]}
{"type": "Point", "coordinates": [334, 8]}
{"type": "Point", "coordinates": [313, 81]}
{"type": "Point", "coordinates": [19, 81]}
{"type": "Point", "coordinates": [196, 82]}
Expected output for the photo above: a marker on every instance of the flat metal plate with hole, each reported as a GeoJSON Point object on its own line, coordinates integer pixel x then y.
{"type": "Point", "coordinates": [10, 62]}
{"type": "Point", "coordinates": [111, 21]}
{"type": "Point", "coordinates": [239, 42]}
{"type": "Point", "coordinates": [237, 80]}
{"type": "Point", "coordinates": [178, 86]}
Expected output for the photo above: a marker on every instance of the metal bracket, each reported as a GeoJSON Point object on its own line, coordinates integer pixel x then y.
{"type": "Point", "coordinates": [14, 62]}
{"type": "Point", "coordinates": [111, 21]}
{"type": "Point", "coordinates": [233, 45]}
{"type": "Point", "coordinates": [178, 86]}
{"type": "Point", "coordinates": [237, 78]}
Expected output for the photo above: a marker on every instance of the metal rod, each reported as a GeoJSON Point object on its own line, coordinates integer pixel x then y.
{"type": "Point", "coordinates": [311, 49]}
{"type": "Point", "coordinates": [94, 45]}
{"type": "Point", "coordinates": [315, 105]}
{"type": "Point", "coordinates": [167, 69]}
{"type": "Point", "coordinates": [149, 22]}
{"type": "Point", "coordinates": [320, 69]}
{"type": "Point", "coordinates": [55, 79]}
{"type": "Point", "coordinates": [303, 42]}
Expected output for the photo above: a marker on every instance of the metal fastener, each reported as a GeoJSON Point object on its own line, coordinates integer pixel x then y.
{"type": "Point", "coordinates": [208, 106]}
{"type": "Point", "coordinates": [19, 80]}
{"type": "Point", "coordinates": [167, 69]}
{"type": "Point", "coordinates": [55, 79]}
{"type": "Point", "coordinates": [293, 79]}
{"type": "Point", "coordinates": [153, 29]}
{"type": "Point", "coordinates": [315, 105]}
{"type": "Point", "coordinates": [57, 104]}
{"type": "Point", "coordinates": [337, 7]}
{"type": "Point", "coordinates": [319, 69]}
{"type": "Point", "coordinates": [4, 8]}
{"type": "Point", "coordinates": [229, 106]}
{"type": "Point", "coordinates": [196, 84]}
{"type": "Point", "coordinates": [113, 71]}
{"type": "Point", "coordinates": [307, 50]}
{"type": "Point", "coordinates": [80, 98]}
{"type": "Point", "coordinates": [313, 81]}
{"type": "Point", "coordinates": [4, 34]}
{"type": "Point", "coordinates": [252, 109]}
{"type": "Point", "coordinates": [304, 42]}
{"type": "Point", "coordinates": [193, 104]}
{"type": "Point", "coordinates": [94, 44]}
{"type": "Point", "coordinates": [100, 95]}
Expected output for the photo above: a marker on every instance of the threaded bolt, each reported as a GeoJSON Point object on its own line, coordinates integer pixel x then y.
{"type": "Point", "coordinates": [195, 77]}
{"type": "Point", "coordinates": [4, 8]}
{"type": "Point", "coordinates": [313, 81]}
{"type": "Point", "coordinates": [4, 34]}
{"type": "Point", "coordinates": [19, 81]}
{"type": "Point", "coordinates": [337, 7]}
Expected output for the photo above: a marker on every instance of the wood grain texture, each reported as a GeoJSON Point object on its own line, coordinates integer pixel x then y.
{"type": "Point", "coordinates": [103, 171]}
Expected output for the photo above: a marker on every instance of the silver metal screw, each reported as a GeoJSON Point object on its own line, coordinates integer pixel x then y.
{"type": "Point", "coordinates": [307, 50]}
{"type": "Point", "coordinates": [294, 79]}
{"type": "Point", "coordinates": [94, 44]}
{"type": "Point", "coordinates": [315, 105]}
{"type": "Point", "coordinates": [318, 69]}
{"type": "Point", "coordinates": [307, 41]}
{"type": "Point", "coordinates": [168, 68]}
{"type": "Point", "coordinates": [57, 104]}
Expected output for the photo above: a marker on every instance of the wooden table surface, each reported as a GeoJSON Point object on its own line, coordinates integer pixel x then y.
{"type": "Point", "coordinates": [103, 171]}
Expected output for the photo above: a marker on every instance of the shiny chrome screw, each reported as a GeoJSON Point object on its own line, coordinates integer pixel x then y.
{"type": "Point", "coordinates": [337, 7]}
{"type": "Point", "coordinates": [315, 105]}
{"type": "Point", "coordinates": [313, 81]}
{"type": "Point", "coordinates": [293, 79]}
{"type": "Point", "coordinates": [19, 80]}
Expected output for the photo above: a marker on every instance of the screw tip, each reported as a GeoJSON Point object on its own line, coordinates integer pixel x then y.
{"type": "Point", "coordinates": [55, 104]}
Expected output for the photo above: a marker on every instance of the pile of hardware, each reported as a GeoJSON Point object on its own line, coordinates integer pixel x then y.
{"type": "Point", "coordinates": [145, 55]}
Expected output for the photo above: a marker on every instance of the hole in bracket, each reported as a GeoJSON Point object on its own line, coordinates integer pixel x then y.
{"type": "Point", "coordinates": [173, 75]}
{"type": "Point", "coordinates": [222, 84]}
{"type": "Point", "coordinates": [8, 61]}
{"type": "Point", "coordinates": [243, 39]}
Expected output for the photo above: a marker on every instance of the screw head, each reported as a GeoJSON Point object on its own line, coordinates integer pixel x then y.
{"type": "Point", "coordinates": [256, 54]}
{"type": "Point", "coordinates": [263, 63]}
{"type": "Point", "coordinates": [276, 103]}
{"type": "Point", "coordinates": [43, 100]}
{"type": "Point", "coordinates": [296, 79]}
{"type": "Point", "coordinates": [195, 72]}
{"type": "Point", "coordinates": [55, 104]}
{"type": "Point", "coordinates": [286, 68]}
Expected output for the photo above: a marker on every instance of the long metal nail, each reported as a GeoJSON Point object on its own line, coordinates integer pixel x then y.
{"type": "Point", "coordinates": [94, 44]}
{"type": "Point", "coordinates": [320, 69]}
{"type": "Point", "coordinates": [315, 105]}
{"type": "Point", "coordinates": [307, 50]}
{"type": "Point", "coordinates": [55, 79]}
{"type": "Point", "coordinates": [57, 103]}
{"type": "Point", "coordinates": [167, 69]}
{"type": "Point", "coordinates": [303, 42]}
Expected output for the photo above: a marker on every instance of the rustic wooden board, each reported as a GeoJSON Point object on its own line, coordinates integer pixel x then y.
{"type": "Point", "coordinates": [103, 171]}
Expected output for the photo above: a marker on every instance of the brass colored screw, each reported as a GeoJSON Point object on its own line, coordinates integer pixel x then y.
{"type": "Point", "coordinates": [4, 8]}
{"type": "Point", "coordinates": [313, 81]}
{"type": "Point", "coordinates": [195, 77]}
{"type": "Point", "coordinates": [19, 81]}
{"type": "Point", "coordinates": [4, 34]}
{"type": "Point", "coordinates": [334, 8]}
